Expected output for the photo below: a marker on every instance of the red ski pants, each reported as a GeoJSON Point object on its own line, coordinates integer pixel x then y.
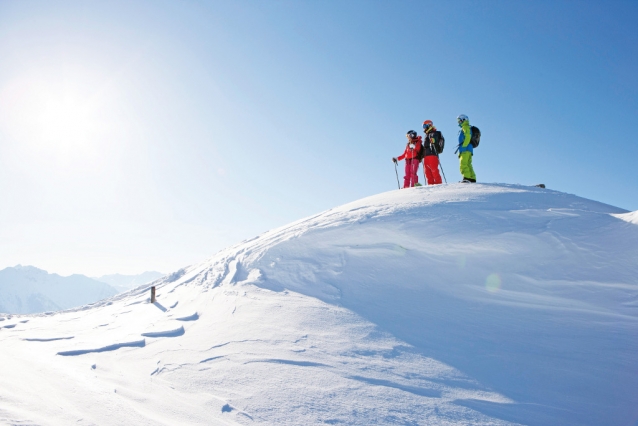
{"type": "Point", "coordinates": [411, 172]}
{"type": "Point", "coordinates": [431, 167]}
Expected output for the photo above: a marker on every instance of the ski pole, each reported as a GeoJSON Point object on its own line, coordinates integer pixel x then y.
{"type": "Point", "coordinates": [439, 160]}
{"type": "Point", "coordinates": [397, 173]}
{"type": "Point", "coordinates": [425, 180]}
{"type": "Point", "coordinates": [440, 166]}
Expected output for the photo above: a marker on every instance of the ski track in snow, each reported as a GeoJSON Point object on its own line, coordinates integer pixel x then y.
{"type": "Point", "coordinates": [458, 304]}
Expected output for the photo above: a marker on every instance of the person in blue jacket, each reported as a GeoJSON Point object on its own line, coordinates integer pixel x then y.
{"type": "Point", "coordinates": [466, 150]}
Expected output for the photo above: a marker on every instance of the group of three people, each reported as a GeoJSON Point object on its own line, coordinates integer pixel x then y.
{"type": "Point", "coordinates": [429, 150]}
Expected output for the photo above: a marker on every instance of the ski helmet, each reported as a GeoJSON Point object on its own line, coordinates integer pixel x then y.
{"type": "Point", "coordinates": [461, 118]}
{"type": "Point", "coordinates": [411, 133]}
{"type": "Point", "coordinates": [427, 124]}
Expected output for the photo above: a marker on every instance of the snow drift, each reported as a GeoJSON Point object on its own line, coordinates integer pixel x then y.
{"type": "Point", "coordinates": [456, 304]}
{"type": "Point", "coordinates": [631, 217]}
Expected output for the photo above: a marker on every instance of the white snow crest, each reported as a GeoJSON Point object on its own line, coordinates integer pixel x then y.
{"type": "Point", "coordinates": [457, 304]}
{"type": "Point", "coordinates": [631, 217]}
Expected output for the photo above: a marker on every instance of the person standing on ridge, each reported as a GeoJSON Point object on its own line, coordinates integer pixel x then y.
{"type": "Point", "coordinates": [412, 159]}
{"type": "Point", "coordinates": [432, 146]}
{"type": "Point", "coordinates": [465, 149]}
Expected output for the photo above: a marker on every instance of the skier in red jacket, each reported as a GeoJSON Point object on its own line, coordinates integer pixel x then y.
{"type": "Point", "coordinates": [433, 146]}
{"type": "Point", "coordinates": [412, 156]}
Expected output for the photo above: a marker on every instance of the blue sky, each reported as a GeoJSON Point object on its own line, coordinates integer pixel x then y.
{"type": "Point", "coordinates": [149, 135]}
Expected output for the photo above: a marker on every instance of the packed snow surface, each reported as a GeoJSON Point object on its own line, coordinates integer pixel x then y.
{"type": "Point", "coordinates": [457, 304]}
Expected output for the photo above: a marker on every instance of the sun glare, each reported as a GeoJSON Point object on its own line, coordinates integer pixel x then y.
{"type": "Point", "coordinates": [53, 114]}
{"type": "Point", "coordinates": [64, 119]}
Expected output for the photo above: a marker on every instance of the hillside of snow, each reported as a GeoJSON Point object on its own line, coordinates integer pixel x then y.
{"type": "Point", "coordinates": [28, 290]}
{"type": "Point", "coordinates": [480, 304]}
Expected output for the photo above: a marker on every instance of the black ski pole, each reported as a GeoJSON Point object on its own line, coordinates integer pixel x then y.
{"type": "Point", "coordinates": [425, 180]}
{"type": "Point", "coordinates": [441, 166]}
{"type": "Point", "coordinates": [439, 159]}
{"type": "Point", "coordinates": [397, 173]}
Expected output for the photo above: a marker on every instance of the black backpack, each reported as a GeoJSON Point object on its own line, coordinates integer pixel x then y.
{"type": "Point", "coordinates": [421, 152]}
{"type": "Point", "coordinates": [439, 147]}
{"type": "Point", "coordinates": [476, 136]}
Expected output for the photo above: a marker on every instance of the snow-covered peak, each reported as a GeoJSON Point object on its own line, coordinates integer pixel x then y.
{"type": "Point", "coordinates": [456, 304]}
{"type": "Point", "coordinates": [27, 289]}
{"type": "Point", "coordinates": [28, 269]}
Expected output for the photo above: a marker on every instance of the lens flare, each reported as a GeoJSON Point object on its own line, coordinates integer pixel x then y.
{"type": "Point", "coordinates": [493, 283]}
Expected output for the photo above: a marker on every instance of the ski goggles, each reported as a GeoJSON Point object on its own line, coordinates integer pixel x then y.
{"type": "Point", "coordinates": [426, 126]}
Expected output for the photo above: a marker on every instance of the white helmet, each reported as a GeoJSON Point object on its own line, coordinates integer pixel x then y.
{"type": "Point", "coordinates": [461, 118]}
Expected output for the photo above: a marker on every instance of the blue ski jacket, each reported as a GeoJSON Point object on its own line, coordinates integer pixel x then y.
{"type": "Point", "coordinates": [465, 135]}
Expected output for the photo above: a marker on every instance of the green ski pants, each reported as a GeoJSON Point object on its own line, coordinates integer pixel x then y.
{"type": "Point", "coordinates": [466, 165]}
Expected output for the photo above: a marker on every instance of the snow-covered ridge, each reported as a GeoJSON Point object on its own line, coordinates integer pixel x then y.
{"type": "Point", "coordinates": [26, 290]}
{"type": "Point", "coordinates": [631, 217]}
{"type": "Point", "coordinates": [457, 304]}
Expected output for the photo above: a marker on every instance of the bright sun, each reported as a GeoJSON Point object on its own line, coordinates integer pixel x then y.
{"type": "Point", "coordinates": [64, 118]}
{"type": "Point", "coordinates": [60, 117]}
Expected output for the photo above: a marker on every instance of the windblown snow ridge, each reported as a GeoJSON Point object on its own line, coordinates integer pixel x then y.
{"type": "Point", "coordinates": [456, 304]}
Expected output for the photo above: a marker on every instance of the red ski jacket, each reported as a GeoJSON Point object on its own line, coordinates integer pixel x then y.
{"type": "Point", "coordinates": [411, 153]}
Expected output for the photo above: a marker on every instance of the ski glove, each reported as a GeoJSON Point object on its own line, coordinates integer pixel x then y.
{"type": "Point", "coordinates": [394, 159]}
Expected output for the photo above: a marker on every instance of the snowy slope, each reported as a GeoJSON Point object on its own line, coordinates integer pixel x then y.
{"type": "Point", "coordinates": [28, 290]}
{"type": "Point", "coordinates": [457, 304]}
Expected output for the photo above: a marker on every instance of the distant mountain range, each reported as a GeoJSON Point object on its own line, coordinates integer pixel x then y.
{"type": "Point", "coordinates": [127, 282]}
{"type": "Point", "coordinates": [29, 290]}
